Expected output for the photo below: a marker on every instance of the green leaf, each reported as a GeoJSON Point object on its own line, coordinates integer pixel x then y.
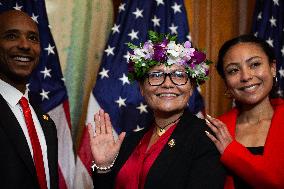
{"type": "Point", "coordinates": [173, 38]}
{"type": "Point", "coordinates": [153, 36]}
{"type": "Point", "coordinates": [131, 46]}
{"type": "Point", "coordinates": [208, 62]}
{"type": "Point", "coordinates": [130, 77]}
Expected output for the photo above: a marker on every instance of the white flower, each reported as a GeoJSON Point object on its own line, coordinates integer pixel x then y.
{"type": "Point", "coordinates": [174, 49]}
{"type": "Point", "coordinates": [172, 60]}
{"type": "Point", "coordinates": [138, 53]}
{"type": "Point", "coordinates": [200, 70]}
{"type": "Point", "coordinates": [171, 45]}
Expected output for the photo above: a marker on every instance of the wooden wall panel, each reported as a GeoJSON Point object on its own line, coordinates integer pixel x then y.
{"type": "Point", "coordinates": [212, 22]}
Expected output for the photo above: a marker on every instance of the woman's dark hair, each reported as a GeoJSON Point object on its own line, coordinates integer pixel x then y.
{"type": "Point", "coordinates": [242, 39]}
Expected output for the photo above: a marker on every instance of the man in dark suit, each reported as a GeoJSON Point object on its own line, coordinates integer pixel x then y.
{"type": "Point", "coordinates": [28, 138]}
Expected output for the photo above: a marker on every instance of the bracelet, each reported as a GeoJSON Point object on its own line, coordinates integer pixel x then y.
{"type": "Point", "coordinates": [95, 166]}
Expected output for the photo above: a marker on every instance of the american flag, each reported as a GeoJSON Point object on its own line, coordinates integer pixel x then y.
{"type": "Point", "coordinates": [268, 23]}
{"type": "Point", "coordinates": [113, 92]}
{"type": "Point", "coordinates": [47, 86]}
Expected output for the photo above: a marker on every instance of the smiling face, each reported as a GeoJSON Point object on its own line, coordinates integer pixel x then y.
{"type": "Point", "coordinates": [166, 98]}
{"type": "Point", "coordinates": [19, 47]}
{"type": "Point", "coordinates": [248, 73]}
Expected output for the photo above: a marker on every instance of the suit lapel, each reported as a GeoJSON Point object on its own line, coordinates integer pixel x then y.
{"type": "Point", "coordinates": [11, 126]}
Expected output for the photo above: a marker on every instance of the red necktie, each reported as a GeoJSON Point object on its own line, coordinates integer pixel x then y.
{"type": "Point", "coordinates": [38, 158]}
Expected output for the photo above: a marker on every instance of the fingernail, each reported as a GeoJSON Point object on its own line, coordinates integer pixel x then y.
{"type": "Point", "coordinates": [208, 122]}
{"type": "Point", "coordinates": [208, 116]}
{"type": "Point", "coordinates": [207, 132]}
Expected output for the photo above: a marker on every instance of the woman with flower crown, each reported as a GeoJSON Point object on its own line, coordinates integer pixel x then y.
{"type": "Point", "coordinates": [250, 136]}
{"type": "Point", "coordinates": [174, 152]}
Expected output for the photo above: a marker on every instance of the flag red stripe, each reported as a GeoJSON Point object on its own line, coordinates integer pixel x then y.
{"type": "Point", "coordinates": [62, 183]}
{"type": "Point", "coordinates": [84, 151]}
{"type": "Point", "coordinates": [67, 112]}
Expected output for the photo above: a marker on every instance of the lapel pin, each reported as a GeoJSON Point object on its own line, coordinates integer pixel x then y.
{"type": "Point", "coordinates": [45, 117]}
{"type": "Point", "coordinates": [171, 143]}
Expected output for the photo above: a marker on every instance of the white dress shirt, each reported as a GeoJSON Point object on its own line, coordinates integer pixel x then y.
{"type": "Point", "coordinates": [12, 97]}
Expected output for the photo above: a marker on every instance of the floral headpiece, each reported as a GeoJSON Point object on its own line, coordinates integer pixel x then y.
{"type": "Point", "coordinates": [163, 49]}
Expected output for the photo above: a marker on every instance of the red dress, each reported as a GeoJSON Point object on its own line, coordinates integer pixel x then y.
{"type": "Point", "coordinates": [134, 172]}
{"type": "Point", "coordinates": [260, 171]}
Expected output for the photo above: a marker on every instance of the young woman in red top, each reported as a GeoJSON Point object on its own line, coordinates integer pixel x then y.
{"type": "Point", "coordinates": [174, 151]}
{"type": "Point", "coordinates": [250, 136]}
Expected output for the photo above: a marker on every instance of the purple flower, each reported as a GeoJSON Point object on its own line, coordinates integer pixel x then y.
{"type": "Point", "coordinates": [148, 56]}
{"type": "Point", "coordinates": [160, 52]}
{"type": "Point", "coordinates": [147, 45]}
{"type": "Point", "coordinates": [187, 44]}
{"type": "Point", "coordinates": [182, 62]}
{"type": "Point", "coordinates": [165, 43]}
{"type": "Point", "coordinates": [206, 72]}
{"type": "Point", "coordinates": [199, 56]}
{"type": "Point", "coordinates": [148, 50]}
{"type": "Point", "coordinates": [192, 65]}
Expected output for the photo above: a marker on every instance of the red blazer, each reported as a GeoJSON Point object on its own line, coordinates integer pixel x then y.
{"type": "Point", "coordinates": [260, 171]}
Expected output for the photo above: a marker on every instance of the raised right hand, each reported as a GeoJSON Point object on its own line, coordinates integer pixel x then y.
{"type": "Point", "coordinates": [103, 145]}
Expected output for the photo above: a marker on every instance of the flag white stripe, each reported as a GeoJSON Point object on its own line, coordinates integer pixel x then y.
{"type": "Point", "coordinates": [94, 107]}
{"type": "Point", "coordinates": [82, 177]}
{"type": "Point", "coordinates": [66, 158]}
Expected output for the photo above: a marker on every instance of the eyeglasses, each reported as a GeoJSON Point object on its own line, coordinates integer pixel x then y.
{"type": "Point", "coordinates": [158, 78]}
